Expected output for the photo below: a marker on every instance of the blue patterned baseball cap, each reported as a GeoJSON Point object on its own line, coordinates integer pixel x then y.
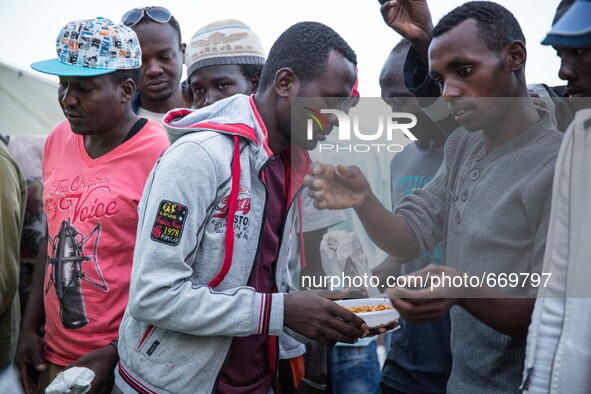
{"type": "Point", "coordinates": [573, 29]}
{"type": "Point", "coordinates": [91, 47]}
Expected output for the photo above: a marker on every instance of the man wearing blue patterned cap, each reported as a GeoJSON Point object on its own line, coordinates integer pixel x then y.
{"type": "Point", "coordinates": [95, 166]}
{"type": "Point", "coordinates": [558, 354]}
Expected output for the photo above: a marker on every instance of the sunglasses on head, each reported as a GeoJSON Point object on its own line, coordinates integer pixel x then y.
{"type": "Point", "coordinates": [157, 14]}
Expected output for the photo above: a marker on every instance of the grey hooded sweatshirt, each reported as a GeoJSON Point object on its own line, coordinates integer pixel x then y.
{"type": "Point", "coordinates": [188, 295]}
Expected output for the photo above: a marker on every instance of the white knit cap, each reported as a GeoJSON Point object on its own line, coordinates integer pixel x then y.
{"type": "Point", "coordinates": [223, 42]}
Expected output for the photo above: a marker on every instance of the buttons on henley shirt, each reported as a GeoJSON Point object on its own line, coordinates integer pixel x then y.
{"type": "Point", "coordinates": [474, 175]}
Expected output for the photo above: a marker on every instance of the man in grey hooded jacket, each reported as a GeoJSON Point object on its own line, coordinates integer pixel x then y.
{"type": "Point", "coordinates": [208, 278]}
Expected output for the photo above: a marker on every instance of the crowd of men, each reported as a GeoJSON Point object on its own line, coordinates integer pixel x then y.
{"type": "Point", "coordinates": [169, 210]}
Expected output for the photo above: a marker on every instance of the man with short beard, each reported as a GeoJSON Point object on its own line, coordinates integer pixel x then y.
{"type": "Point", "coordinates": [489, 202]}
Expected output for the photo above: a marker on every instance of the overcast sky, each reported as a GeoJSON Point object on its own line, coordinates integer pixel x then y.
{"type": "Point", "coordinates": [29, 27]}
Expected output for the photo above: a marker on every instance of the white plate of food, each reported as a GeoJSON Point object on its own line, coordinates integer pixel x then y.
{"type": "Point", "coordinates": [375, 311]}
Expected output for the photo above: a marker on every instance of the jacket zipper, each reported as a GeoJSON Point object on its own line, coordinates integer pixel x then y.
{"type": "Point", "coordinates": [255, 262]}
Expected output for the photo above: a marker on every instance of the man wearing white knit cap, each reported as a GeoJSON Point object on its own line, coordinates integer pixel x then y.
{"type": "Point", "coordinates": [223, 58]}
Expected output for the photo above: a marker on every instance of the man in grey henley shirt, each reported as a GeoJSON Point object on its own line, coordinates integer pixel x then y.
{"type": "Point", "coordinates": [489, 202]}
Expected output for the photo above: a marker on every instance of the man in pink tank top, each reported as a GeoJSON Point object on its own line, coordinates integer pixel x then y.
{"type": "Point", "coordinates": [95, 166]}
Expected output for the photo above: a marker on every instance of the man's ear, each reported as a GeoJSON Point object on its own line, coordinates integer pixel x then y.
{"type": "Point", "coordinates": [516, 55]}
{"type": "Point", "coordinates": [128, 88]}
{"type": "Point", "coordinates": [286, 83]}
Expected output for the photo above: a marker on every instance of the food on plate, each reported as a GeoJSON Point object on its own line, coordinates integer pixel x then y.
{"type": "Point", "coordinates": [366, 308]}
{"type": "Point", "coordinates": [376, 312]}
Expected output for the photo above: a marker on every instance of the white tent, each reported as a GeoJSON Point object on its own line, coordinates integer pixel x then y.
{"type": "Point", "coordinates": [28, 103]}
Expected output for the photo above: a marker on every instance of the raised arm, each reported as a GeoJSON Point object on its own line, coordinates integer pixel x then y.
{"type": "Point", "coordinates": [412, 20]}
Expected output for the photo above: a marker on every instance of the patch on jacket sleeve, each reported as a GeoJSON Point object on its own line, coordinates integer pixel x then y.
{"type": "Point", "coordinates": [169, 223]}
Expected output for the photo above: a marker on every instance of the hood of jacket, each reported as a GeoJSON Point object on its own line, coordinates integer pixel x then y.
{"type": "Point", "coordinates": [235, 115]}
{"type": "Point", "coordinates": [238, 115]}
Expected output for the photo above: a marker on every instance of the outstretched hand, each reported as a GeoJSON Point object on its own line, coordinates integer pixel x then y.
{"type": "Point", "coordinates": [336, 187]}
{"type": "Point", "coordinates": [322, 320]}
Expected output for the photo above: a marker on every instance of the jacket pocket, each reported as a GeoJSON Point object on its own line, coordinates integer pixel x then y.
{"type": "Point", "coordinates": [174, 361]}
